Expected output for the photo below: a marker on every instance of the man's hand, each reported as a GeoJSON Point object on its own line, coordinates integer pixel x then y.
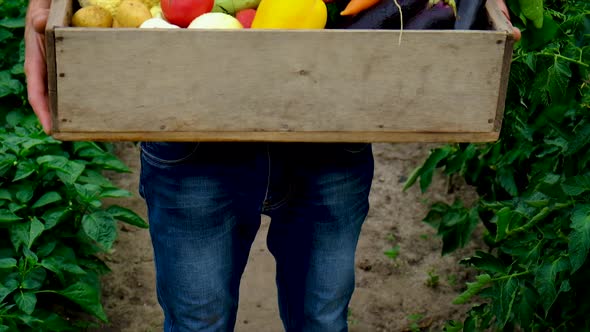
{"type": "Point", "coordinates": [502, 5]}
{"type": "Point", "coordinates": [35, 65]}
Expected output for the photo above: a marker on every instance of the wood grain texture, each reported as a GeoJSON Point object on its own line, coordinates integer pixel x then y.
{"type": "Point", "coordinates": [500, 23]}
{"type": "Point", "coordinates": [225, 136]}
{"type": "Point", "coordinates": [60, 15]}
{"type": "Point", "coordinates": [283, 85]}
{"type": "Point", "coordinates": [277, 80]}
{"type": "Point", "coordinates": [503, 88]}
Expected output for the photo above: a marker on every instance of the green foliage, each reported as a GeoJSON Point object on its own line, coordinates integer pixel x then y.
{"type": "Point", "coordinates": [414, 320]}
{"type": "Point", "coordinates": [433, 279]}
{"type": "Point", "coordinates": [52, 222]}
{"type": "Point", "coordinates": [393, 252]}
{"type": "Point", "coordinates": [533, 184]}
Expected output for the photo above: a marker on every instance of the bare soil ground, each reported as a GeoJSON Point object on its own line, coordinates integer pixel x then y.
{"type": "Point", "coordinates": [413, 290]}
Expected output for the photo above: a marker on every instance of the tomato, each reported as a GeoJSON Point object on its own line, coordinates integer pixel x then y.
{"type": "Point", "coordinates": [183, 12]}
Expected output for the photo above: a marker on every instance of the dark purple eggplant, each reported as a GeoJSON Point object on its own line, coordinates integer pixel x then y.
{"type": "Point", "coordinates": [386, 15]}
{"type": "Point", "coordinates": [469, 13]}
{"type": "Point", "coordinates": [437, 17]}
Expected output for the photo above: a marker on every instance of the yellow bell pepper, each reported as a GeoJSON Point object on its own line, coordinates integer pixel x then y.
{"type": "Point", "coordinates": [291, 14]}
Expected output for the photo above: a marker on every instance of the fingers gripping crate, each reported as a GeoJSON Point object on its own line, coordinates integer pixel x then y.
{"type": "Point", "coordinates": [277, 85]}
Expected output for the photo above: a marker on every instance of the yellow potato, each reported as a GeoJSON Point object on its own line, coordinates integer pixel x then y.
{"type": "Point", "coordinates": [132, 13]}
{"type": "Point", "coordinates": [110, 5]}
{"type": "Point", "coordinates": [151, 3]}
{"type": "Point", "coordinates": [92, 17]}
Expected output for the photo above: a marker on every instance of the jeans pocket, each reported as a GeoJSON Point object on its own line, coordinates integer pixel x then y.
{"type": "Point", "coordinates": [168, 153]}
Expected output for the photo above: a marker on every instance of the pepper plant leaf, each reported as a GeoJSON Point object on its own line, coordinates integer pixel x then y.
{"type": "Point", "coordinates": [579, 244]}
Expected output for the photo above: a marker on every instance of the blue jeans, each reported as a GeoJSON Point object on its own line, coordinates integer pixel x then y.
{"type": "Point", "coordinates": [205, 202]}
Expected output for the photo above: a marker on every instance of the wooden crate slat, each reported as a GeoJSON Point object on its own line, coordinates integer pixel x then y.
{"type": "Point", "coordinates": [278, 85]}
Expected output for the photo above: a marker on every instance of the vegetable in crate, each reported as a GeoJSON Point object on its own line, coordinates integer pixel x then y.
{"type": "Point", "coordinates": [158, 22]}
{"type": "Point", "coordinates": [151, 3]}
{"type": "Point", "coordinates": [131, 14]}
{"type": "Point", "coordinates": [92, 17]}
{"type": "Point", "coordinates": [441, 16]}
{"type": "Point", "coordinates": [215, 21]}
{"type": "Point", "coordinates": [357, 6]}
{"type": "Point", "coordinates": [232, 7]}
{"type": "Point", "coordinates": [246, 16]}
{"type": "Point", "coordinates": [157, 11]}
{"type": "Point", "coordinates": [183, 12]}
{"type": "Point", "coordinates": [468, 14]}
{"type": "Point", "coordinates": [290, 14]}
{"type": "Point", "coordinates": [386, 15]}
{"type": "Point", "coordinates": [335, 19]}
{"type": "Point", "coordinates": [111, 5]}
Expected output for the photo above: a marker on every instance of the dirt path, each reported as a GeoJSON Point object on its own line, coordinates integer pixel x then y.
{"type": "Point", "coordinates": [417, 286]}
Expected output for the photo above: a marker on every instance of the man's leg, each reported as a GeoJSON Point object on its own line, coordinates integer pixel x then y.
{"type": "Point", "coordinates": [204, 211]}
{"type": "Point", "coordinates": [314, 235]}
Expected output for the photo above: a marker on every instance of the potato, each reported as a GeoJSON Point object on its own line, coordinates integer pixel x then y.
{"type": "Point", "coordinates": [92, 17]}
{"type": "Point", "coordinates": [132, 13]}
{"type": "Point", "coordinates": [151, 3]}
{"type": "Point", "coordinates": [110, 5]}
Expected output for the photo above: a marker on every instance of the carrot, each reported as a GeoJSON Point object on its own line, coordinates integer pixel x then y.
{"type": "Point", "coordinates": [356, 6]}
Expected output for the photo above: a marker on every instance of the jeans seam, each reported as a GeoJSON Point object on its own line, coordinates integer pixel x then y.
{"type": "Point", "coordinates": [163, 304]}
{"type": "Point", "coordinates": [152, 159]}
{"type": "Point", "coordinates": [267, 174]}
{"type": "Point", "coordinates": [280, 203]}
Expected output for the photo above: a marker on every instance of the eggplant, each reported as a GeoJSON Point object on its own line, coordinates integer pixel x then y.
{"type": "Point", "coordinates": [469, 14]}
{"type": "Point", "coordinates": [436, 17]}
{"type": "Point", "coordinates": [385, 14]}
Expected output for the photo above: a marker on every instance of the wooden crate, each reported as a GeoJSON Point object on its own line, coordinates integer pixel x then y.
{"type": "Point", "coordinates": [277, 85]}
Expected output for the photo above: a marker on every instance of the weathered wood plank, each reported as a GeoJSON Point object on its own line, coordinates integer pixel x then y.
{"type": "Point", "coordinates": [499, 22]}
{"type": "Point", "coordinates": [277, 85]}
{"type": "Point", "coordinates": [279, 136]}
{"type": "Point", "coordinates": [180, 80]}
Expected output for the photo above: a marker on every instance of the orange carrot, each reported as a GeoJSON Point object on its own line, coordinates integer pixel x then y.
{"type": "Point", "coordinates": [356, 6]}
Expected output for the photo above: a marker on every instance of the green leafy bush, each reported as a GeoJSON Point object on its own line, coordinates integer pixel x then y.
{"type": "Point", "coordinates": [533, 184]}
{"type": "Point", "coordinates": [53, 225]}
